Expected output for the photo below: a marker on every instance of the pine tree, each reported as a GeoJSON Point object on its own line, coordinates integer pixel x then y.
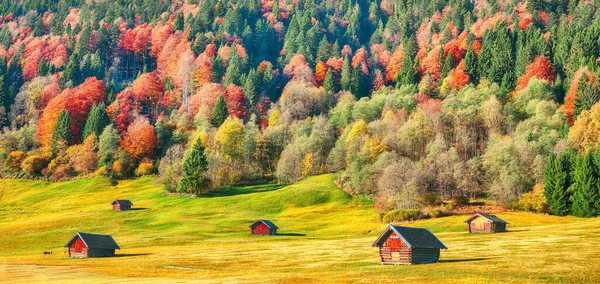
{"type": "Point", "coordinates": [584, 187]}
{"type": "Point", "coordinates": [61, 134]}
{"type": "Point", "coordinates": [556, 188]}
{"type": "Point", "coordinates": [220, 113]}
{"type": "Point", "coordinates": [328, 83]}
{"type": "Point", "coordinates": [217, 69]}
{"type": "Point", "coordinates": [251, 87]}
{"type": "Point", "coordinates": [448, 65]}
{"type": "Point", "coordinates": [587, 96]}
{"type": "Point", "coordinates": [471, 64]}
{"type": "Point", "coordinates": [324, 50]}
{"type": "Point", "coordinates": [179, 22]}
{"type": "Point", "coordinates": [194, 169]}
{"type": "Point", "coordinates": [346, 79]}
{"type": "Point", "coordinates": [96, 121]}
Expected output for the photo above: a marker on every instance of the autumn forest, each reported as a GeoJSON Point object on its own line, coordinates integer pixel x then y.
{"type": "Point", "coordinates": [410, 103]}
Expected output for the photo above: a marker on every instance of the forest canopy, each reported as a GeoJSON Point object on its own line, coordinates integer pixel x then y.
{"type": "Point", "coordinates": [410, 102]}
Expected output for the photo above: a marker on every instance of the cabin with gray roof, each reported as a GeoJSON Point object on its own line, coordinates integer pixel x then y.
{"type": "Point", "coordinates": [408, 245]}
{"type": "Point", "coordinates": [91, 245]}
{"type": "Point", "coordinates": [263, 227]}
{"type": "Point", "coordinates": [485, 223]}
{"type": "Point", "coordinates": [122, 205]}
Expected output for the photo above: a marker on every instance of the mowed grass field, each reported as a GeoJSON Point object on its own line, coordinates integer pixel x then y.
{"type": "Point", "coordinates": [325, 236]}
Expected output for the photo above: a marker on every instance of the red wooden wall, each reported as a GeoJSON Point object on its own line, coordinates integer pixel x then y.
{"type": "Point", "coordinates": [261, 229]}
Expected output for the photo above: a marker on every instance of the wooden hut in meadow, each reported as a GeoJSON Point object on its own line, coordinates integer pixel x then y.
{"type": "Point", "coordinates": [91, 245]}
{"type": "Point", "coordinates": [485, 223]}
{"type": "Point", "coordinates": [263, 227]}
{"type": "Point", "coordinates": [408, 245]}
{"type": "Point", "coordinates": [122, 205]}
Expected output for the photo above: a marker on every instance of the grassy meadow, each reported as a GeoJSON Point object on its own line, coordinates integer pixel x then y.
{"type": "Point", "coordinates": [325, 236]}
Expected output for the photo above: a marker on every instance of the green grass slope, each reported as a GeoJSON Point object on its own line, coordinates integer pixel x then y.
{"type": "Point", "coordinates": [325, 237]}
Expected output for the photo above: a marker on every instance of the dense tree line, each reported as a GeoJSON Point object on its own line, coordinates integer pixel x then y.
{"type": "Point", "coordinates": [411, 102]}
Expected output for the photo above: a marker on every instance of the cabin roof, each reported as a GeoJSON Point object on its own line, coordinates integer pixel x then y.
{"type": "Point", "coordinates": [122, 202]}
{"type": "Point", "coordinates": [96, 241]}
{"type": "Point", "coordinates": [266, 222]}
{"type": "Point", "coordinates": [413, 237]}
{"type": "Point", "coordinates": [490, 217]}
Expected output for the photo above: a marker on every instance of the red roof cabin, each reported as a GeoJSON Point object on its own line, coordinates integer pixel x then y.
{"type": "Point", "coordinates": [485, 223]}
{"type": "Point", "coordinates": [263, 227]}
{"type": "Point", "coordinates": [91, 245]}
{"type": "Point", "coordinates": [122, 205]}
{"type": "Point", "coordinates": [407, 245]}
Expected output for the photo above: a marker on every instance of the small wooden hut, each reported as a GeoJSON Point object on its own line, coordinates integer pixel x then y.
{"type": "Point", "coordinates": [263, 227]}
{"type": "Point", "coordinates": [407, 245]}
{"type": "Point", "coordinates": [122, 205]}
{"type": "Point", "coordinates": [91, 245]}
{"type": "Point", "coordinates": [485, 223]}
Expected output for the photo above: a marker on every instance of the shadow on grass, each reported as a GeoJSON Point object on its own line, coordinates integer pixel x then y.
{"type": "Point", "coordinates": [241, 190]}
{"type": "Point", "coordinates": [136, 209]}
{"type": "Point", "coordinates": [516, 230]}
{"type": "Point", "coordinates": [130, 254]}
{"type": "Point", "coordinates": [291, 235]}
{"type": "Point", "coordinates": [460, 260]}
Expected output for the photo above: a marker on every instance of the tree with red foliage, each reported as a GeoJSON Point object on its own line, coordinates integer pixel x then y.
{"type": "Point", "coordinates": [77, 101]}
{"type": "Point", "coordinates": [395, 65]}
{"type": "Point", "coordinates": [458, 77]}
{"type": "Point", "coordinates": [207, 95]}
{"type": "Point", "coordinates": [540, 68]}
{"type": "Point", "coordinates": [431, 64]}
{"type": "Point", "coordinates": [140, 140]}
{"type": "Point", "coordinates": [236, 101]}
{"type": "Point", "coordinates": [143, 96]}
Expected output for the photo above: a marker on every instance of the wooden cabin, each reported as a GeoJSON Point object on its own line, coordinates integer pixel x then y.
{"type": "Point", "coordinates": [407, 245]}
{"type": "Point", "coordinates": [91, 245]}
{"type": "Point", "coordinates": [485, 223]}
{"type": "Point", "coordinates": [263, 227]}
{"type": "Point", "coordinates": [122, 205]}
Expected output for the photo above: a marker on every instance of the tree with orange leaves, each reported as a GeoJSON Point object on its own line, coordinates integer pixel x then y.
{"type": "Point", "coordinates": [77, 101]}
{"type": "Point", "coordinates": [582, 83]}
{"type": "Point", "coordinates": [320, 73]}
{"type": "Point", "coordinates": [540, 68]}
{"type": "Point", "coordinates": [458, 77]}
{"type": "Point", "coordinates": [236, 101]}
{"type": "Point", "coordinates": [395, 65]}
{"type": "Point", "coordinates": [140, 140]}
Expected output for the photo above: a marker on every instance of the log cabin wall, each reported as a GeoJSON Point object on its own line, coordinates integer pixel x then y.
{"type": "Point", "coordinates": [480, 225]}
{"type": "Point", "coordinates": [395, 251]}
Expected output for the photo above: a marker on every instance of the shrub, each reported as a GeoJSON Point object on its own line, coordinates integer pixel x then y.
{"type": "Point", "coordinates": [13, 161]}
{"type": "Point", "coordinates": [402, 215]}
{"type": "Point", "coordinates": [436, 213]}
{"type": "Point", "coordinates": [144, 168]}
{"type": "Point", "coordinates": [33, 165]}
{"type": "Point", "coordinates": [533, 201]}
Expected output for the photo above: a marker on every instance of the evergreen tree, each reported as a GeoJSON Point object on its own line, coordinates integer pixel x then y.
{"type": "Point", "coordinates": [471, 64]}
{"type": "Point", "coordinates": [324, 50]}
{"type": "Point", "coordinates": [587, 96]}
{"type": "Point", "coordinates": [585, 187]}
{"type": "Point", "coordinates": [220, 113]}
{"type": "Point", "coordinates": [179, 22]}
{"type": "Point", "coordinates": [346, 79]}
{"type": "Point", "coordinates": [448, 65]}
{"type": "Point", "coordinates": [251, 87]}
{"type": "Point", "coordinates": [556, 188]}
{"type": "Point", "coordinates": [217, 69]}
{"type": "Point", "coordinates": [194, 169]}
{"type": "Point", "coordinates": [61, 134]}
{"type": "Point", "coordinates": [96, 121]}
{"type": "Point", "coordinates": [328, 83]}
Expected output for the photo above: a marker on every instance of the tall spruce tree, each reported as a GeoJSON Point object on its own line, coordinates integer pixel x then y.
{"type": "Point", "coordinates": [61, 134]}
{"type": "Point", "coordinates": [346, 79]}
{"type": "Point", "coordinates": [96, 121]}
{"type": "Point", "coordinates": [328, 83]}
{"type": "Point", "coordinates": [220, 113]}
{"type": "Point", "coordinates": [556, 188]}
{"type": "Point", "coordinates": [194, 168]}
{"type": "Point", "coordinates": [585, 187]}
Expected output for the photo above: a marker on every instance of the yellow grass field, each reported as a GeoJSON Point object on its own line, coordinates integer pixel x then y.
{"type": "Point", "coordinates": [326, 237]}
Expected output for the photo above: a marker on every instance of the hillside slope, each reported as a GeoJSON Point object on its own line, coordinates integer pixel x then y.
{"type": "Point", "coordinates": [325, 235]}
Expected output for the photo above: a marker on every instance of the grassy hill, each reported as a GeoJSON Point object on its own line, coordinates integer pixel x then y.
{"type": "Point", "coordinates": [325, 236]}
